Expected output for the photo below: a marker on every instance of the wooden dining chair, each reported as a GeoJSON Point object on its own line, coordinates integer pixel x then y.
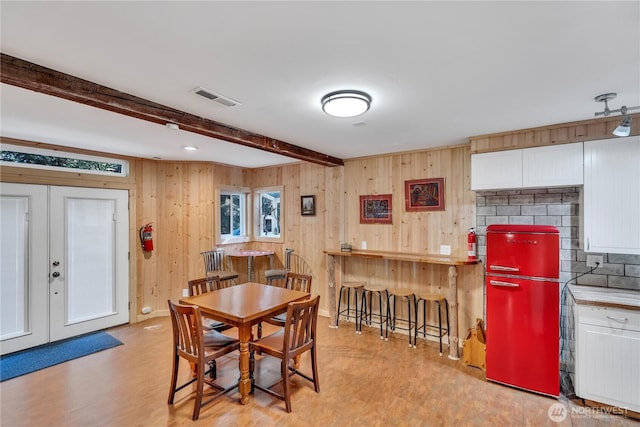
{"type": "Point", "coordinates": [297, 336]}
{"type": "Point", "coordinates": [204, 285]}
{"type": "Point", "coordinates": [200, 350]}
{"type": "Point", "coordinates": [216, 263]}
{"type": "Point", "coordinates": [293, 281]}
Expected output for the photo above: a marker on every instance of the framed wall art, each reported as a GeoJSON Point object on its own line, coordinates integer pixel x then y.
{"type": "Point", "coordinates": [376, 209]}
{"type": "Point", "coordinates": [308, 205]}
{"type": "Point", "coordinates": [424, 195]}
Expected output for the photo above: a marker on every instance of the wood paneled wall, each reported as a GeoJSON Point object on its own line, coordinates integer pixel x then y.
{"type": "Point", "coordinates": [417, 232]}
{"type": "Point", "coordinates": [563, 133]}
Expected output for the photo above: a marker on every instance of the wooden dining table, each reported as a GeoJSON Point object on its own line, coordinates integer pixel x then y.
{"type": "Point", "coordinates": [243, 306]}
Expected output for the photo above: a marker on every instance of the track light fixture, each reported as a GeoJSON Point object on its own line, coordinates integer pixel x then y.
{"type": "Point", "coordinates": [624, 129]}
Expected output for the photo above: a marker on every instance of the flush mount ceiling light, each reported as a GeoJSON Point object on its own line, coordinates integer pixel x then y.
{"type": "Point", "coordinates": [189, 147]}
{"type": "Point", "coordinates": [346, 103]}
{"type": "Point", "coordinates": [624, 129]}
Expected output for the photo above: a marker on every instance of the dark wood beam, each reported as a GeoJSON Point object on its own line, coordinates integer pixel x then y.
{"type": "Point", "coordinates": [17, 72]}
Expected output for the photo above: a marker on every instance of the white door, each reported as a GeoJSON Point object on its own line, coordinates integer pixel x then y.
{"type": "Point", "coordinates": [67, 267]}
{"type": "Point", "coordinates": [88, 260]}
{"type": "Point", "coordinates": [24, 288]}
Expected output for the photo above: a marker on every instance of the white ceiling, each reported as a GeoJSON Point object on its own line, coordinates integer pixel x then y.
{"type": "Point", "coordinates": [438, 72]}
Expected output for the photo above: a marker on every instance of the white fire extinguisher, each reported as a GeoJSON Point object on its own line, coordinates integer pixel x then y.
{"type": "Point", "coordinates": [471, 245]}
{"type": "Point", "coordinates": [146, 238]}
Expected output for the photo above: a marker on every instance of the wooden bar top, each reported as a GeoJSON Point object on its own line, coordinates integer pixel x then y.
{"type": "Point", "coordinates": [403, 256]}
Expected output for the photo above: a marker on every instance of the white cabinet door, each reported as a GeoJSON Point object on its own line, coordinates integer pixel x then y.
{"type": "Point", "coordinates": [612, 195]}
{"type": "Point", "coordinates": [552, 166]}
{"type": "Point", "coordinates": [607, 354]}
{"type": "Point", "coordinates": [497, 170]}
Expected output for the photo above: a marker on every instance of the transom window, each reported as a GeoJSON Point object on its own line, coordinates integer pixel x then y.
{"type": "Point", "coordinates": [37, 158]}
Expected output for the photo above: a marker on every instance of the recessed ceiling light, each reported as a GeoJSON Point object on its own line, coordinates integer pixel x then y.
{"type": "Point", "coordinates": [346, 103]}
{"type": "Point", "coordinates": [189, 147]}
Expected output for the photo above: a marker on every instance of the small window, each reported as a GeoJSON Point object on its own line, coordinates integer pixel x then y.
{"type": "Point", "coordinates": [232, 215]}
{"type": "Point", "coordinates": [37, 158]}
{"type": "Point", "coordinates": [268, 213]}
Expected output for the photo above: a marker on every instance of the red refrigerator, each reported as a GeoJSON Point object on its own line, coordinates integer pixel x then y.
{"type": "Point", "coordinates": [523, 307]}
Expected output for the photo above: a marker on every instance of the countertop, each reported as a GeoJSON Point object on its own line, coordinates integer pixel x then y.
{"type": "Point", "coordinates": [403, 256]}
{"type": "Point", "coordinates": [607, 297]}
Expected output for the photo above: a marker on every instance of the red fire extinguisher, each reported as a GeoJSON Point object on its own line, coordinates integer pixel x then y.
{"type": "Point", "coordinates": [146, 238]}
{"type": "Point", "coordinates": [471, 245]}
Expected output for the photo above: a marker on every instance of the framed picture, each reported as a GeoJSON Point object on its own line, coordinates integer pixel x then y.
{"type": "Point", "coordinates": [424, 195]}
{"type": "Point", "coordinates": [376, 209]}
{"type": "Point", "coordinates": [308, 205]}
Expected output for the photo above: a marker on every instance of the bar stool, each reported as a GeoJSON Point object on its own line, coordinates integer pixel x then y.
{"type": "Point", "coordinates": [409, 296]}
{"type": "Point", "coordinates": [348, 288]}
{"type": "Point", "coordinates": [439, 300]}
{"type": "Point", "coordinates": [366, 308]}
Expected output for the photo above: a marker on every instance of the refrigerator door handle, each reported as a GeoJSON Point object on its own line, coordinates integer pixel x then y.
{"type": "Point", "coordinates": [502, 268]}
{"type": "Point", "coordinates": [504, 284]}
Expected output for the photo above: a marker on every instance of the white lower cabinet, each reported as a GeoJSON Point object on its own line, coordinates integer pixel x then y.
{"type": "Point", "coordinates": [607, 358]}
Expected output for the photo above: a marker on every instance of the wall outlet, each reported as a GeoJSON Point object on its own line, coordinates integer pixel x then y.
{"type": "Point", "coordinates": [445, 250]}
{"type": "Point", "coordinates": [363, 245]}
{"type": "Point", "coordinates": [594, 260]}
{"type": "Point", "coordinates": [185, 292]}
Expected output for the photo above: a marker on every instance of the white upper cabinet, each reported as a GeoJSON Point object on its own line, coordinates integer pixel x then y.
{"type": "Point", "coordinates": [548, 166]}
{"type": "Point", "coordinates": [612, 195]}
{"type": "Point", "coordinates": [552, 166]}
{"type": "Point", "coordinates": [496, 170]}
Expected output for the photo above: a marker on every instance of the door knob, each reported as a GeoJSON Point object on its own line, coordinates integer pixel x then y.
{"type": "Point", "coordinates": [56, 274]}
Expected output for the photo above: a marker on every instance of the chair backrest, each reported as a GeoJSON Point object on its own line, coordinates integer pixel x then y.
{"type": "Point", "coordinates": [300, 326]}
{"type": "Point", "coordinates": [297, 264]}
{"type": "Point", "coordinates": [203, 285]}
{"type": "Point", "coordinates": [188, 336]}
{"type": "Point", "coordinates": [297, 282]}
{"type": "Point", "coordinates": [287, 258]}
{"type": "Point", "coordinates": [214, 260]}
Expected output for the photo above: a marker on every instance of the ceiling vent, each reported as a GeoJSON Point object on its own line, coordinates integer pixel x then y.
{"type": "Point", "coordinates": [212, 96]}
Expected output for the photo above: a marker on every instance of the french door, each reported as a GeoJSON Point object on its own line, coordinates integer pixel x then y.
{"type": "Point", "coordinates": [64, 262]}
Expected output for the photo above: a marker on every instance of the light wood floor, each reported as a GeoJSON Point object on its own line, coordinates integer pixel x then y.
{"type": "Point", "coordinates": [364, 382]}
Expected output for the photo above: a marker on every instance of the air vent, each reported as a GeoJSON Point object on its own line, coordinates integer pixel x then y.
{"type": "Point", "coordinates": [212, 96]}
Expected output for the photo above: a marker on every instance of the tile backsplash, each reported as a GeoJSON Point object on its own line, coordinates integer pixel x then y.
{"type": "Point", "coordinates": [559, 207]}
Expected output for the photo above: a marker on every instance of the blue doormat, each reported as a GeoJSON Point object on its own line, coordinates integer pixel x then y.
{"type": "Point", "coordinates": [33, 359]}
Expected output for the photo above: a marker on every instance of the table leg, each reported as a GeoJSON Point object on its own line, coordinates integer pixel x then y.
{"type": "Point", "coordinates": [331, 273]}
{"type": "Point", "coordinates": [244, 384]}
{"type": "Point", "coordinates": [453, 313]}
{"type": "Point", "coordinates": [249, 268]}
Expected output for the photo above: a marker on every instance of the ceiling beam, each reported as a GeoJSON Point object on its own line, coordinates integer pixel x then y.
{"type": "Point", "coordinates": [17, 72]}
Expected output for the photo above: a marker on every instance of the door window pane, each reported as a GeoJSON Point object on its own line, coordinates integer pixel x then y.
{"type": "Point", "coordinates": [90, 259]}
{"type": "Point", "coordinates": [13, 274]}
